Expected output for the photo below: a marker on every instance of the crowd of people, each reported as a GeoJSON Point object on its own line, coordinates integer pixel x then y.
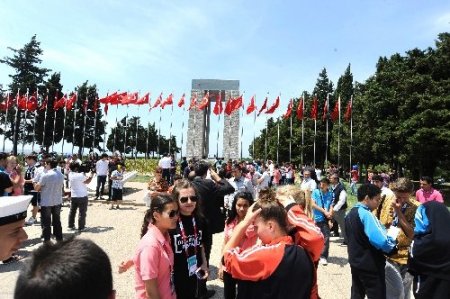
{"type": "Point", "coordinates": [277, 225]}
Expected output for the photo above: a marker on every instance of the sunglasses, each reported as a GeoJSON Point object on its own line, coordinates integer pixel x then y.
{"type": "Point", "coordinates": [185, 199]}
{"type": "Point", "coordinates": [173, 213]}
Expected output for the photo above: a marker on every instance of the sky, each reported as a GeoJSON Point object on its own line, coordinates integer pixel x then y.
{"type": "Point", "coordinates": [271, 47]}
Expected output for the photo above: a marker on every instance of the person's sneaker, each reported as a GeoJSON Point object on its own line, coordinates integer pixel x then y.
{"type": "Point", "coordinates": [71, 228]}
{"type": "Point", "coordinates": [80, 230]}
{"type": "Point", "coordinates": [343, 244]}
{"type": "Point", "coordinates": [30, 221]}
{"type": "Point", "coordinates": [323, 261]}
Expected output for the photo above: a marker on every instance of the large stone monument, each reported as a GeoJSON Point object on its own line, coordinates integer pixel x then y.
{"type": "Point", "coordinates": [199, 120]}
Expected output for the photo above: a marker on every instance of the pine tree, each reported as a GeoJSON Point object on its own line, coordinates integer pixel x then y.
{"type": "Point", "coordinates": [28, 76]}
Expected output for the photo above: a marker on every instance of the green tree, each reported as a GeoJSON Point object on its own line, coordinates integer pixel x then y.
{"type": "Point", "coordinates": [340, 134]}
{"type": "Point", "coordinates": [28, 76]}
{"type": "Point", "coordinates": [83, 125]}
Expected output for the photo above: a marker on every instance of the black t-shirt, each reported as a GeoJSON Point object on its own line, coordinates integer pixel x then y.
{"type": "Point", "coordinates": [29, 174]}
{"type": "Point", "coordinates": [5, 182]}
{"type": "Point", "coordinates": [185, 285]}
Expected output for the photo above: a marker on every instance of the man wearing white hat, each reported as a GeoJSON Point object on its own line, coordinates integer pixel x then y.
{"type": "Point", "coordinates": [13, 210]}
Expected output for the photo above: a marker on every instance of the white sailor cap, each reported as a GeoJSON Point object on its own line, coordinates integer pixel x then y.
{"type": "Point", "coordinates": [13, 208]}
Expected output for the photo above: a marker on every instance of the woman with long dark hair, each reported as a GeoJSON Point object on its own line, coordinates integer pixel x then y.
{"type": "Point", "coordinates": [190, 267]}
{"type": "Point", "coordinates": [242, 201]}
{"type": "Point", "coordinates": [154, 259]}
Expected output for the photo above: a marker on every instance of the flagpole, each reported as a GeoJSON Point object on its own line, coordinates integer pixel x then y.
{"type": "Point", "coordinates": [339, 132]}
{"type": "Point", "coordinates": [25, 117]}
{"type": "Point", "coordinates": [159, 130]}
{"type": "Point", "coordinates": [254, 132]}
{"type": "Point", "coordinates": [115, 130]}
{"type": "Point", "coordinates": [125, 135]}
{"type": "Point", "coordinates": [265, 140]}
{"type": "Point", "coordinates": [45, 119]}
{"type": "Point", "coordinates": [95, 122]}
{"type": "Point", "coordinates": [351, 133]}
{"type": "Point", "coordinates": [170, 130]}
{"type": "Point", "coordinates": [6, 119]}
{"type": "Point", "coordinates": [84, 122]}
{"type": "Point", "coordinates": [137, 130]}
{"type": "Point", "coordinates": [182, 131]}
{"type": "Point", "coordinates": [35, 120]}
{"type": "Point", "coordinates": [146, 141]}
{"type": "Point", "coordinates": [326, 134]}
{"type": "Point", "coordinates": [303, 126]}
{"type": "Point", "coordinates": [74, 107]}
{"type": "Point", "coordinates": [290, 138]}
{"type": "Point", "coordinates": [104, 136]}
{"type": "Point", "coordinates": [278, 139]}
{"type": "Point", "coordinates": [64, 127]}
{"type": "Point", "coordinates": [315, 129]}
{"type": "Point", "coordinates": [218, 135]}
{"type": "Point", "coordinates": [15, 121]}
{"type": "Point", "coordinates": [54, 120]}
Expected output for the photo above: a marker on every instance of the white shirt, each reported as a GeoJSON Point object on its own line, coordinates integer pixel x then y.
{"type": "Point", "coordinates": [77, 186]}
{"type": "Point", "coordinates": [318, 174]}
{"type": "Point", "coordinates": [101, 167]}
{"type": "Point", "coordinates": [265, 182]}
{"type": "Point", "coordinates": [271, 168]}
{"type": "Point", "coordinates": [341, 201]}
{"type": "Point", "coordinates": [243, 184]}
{"type": "Point", "coordinates": [164, 162]}
{"type": "Point", "coordinates": [308, 184]}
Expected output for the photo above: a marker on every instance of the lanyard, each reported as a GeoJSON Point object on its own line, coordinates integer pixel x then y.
{"type": "Point", "coordinates": [395, 222]}
{"type": "Point", "coordinates": [185, 239]}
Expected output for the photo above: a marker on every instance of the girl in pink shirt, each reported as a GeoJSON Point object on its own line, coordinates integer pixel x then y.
{"type": "Point", "coordinates": [242, 201]}
{"type": "Point", "coordinates": [154, 257]}
{"type": "Point", "coordinates": [14, 171]}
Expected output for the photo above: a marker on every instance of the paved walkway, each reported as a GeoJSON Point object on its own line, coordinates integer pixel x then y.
{"type": "Point", "coordinates": [117, 232]}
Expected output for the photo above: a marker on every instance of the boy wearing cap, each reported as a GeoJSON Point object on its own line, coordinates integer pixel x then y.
{"type": "Point", "coordinates": [13, 211]}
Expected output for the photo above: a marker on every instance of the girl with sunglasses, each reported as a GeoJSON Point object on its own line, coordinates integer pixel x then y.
{"type": "Point", "coordinates": [190, 266]}
{"type": "Point", "coordinates": [242, 201]}
{"type": "Point", "coordinates": [154, 259]}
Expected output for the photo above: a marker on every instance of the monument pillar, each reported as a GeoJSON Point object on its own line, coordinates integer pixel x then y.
{"type": "Point", "coordinates": [199, 120]}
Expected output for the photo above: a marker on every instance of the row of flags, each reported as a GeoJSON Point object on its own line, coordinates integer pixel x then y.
{"type": "Point", "coordinates": [31, 103]}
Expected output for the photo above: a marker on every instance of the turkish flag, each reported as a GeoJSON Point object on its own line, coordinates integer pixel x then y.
{"type": "Point", "coordinates": [44, 104]}
{"type": "Point", "coordinates": [204, 102]}
{"type": "Point", "coordinates": [181, 101]}
{"type": "Point", "coordinates": [167, 101]}
{"type": "Point", "coordinates": [314, 108]}
{"type": "Point", "coordinates": [289, 110]}
{"type": "Point", "coordinates": [59, 103]}
{"type": "Point", "coordinates": [6, 104]}
{"type": "Point", "coordinates": [32, 103]}
{"type": "Point", "coordinates": [300, 109]}
{"type": "Point", "coordinates": [274, 106]}
{"type": "Point", "coordinates": [348, 111]}
{"type": "Point", "coordinates": [22, 103]}
{"type": "Point", "coordinates": [108, 98]}
{"type": "Point", "coordinates": [129, 99]}
{"type": "Point", "coordinates": [158, 101]}
{"type": "Point", "coordinates": [325, 110]}
{"type": "Point", "coordinates": [115, 98]}
{"type": "Point", "coordinates": [252, 106]}
{"type": "Point", "coordinates": [193, 102]}
{"type": "Point", "coordinates": [144, 100]}
{"type": "Point", "coordinates": [71, 102]}
{"type": "Point", "coordinates": [263, 107]}
{"type": "Point", "coordinates": [336, 110]}
{"type": "Point", "coordinates": [218, 106]}
{"type": "Point", "coordinates": [237, 103]}
{"type": "Point", "coordinates": [229, 106]}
